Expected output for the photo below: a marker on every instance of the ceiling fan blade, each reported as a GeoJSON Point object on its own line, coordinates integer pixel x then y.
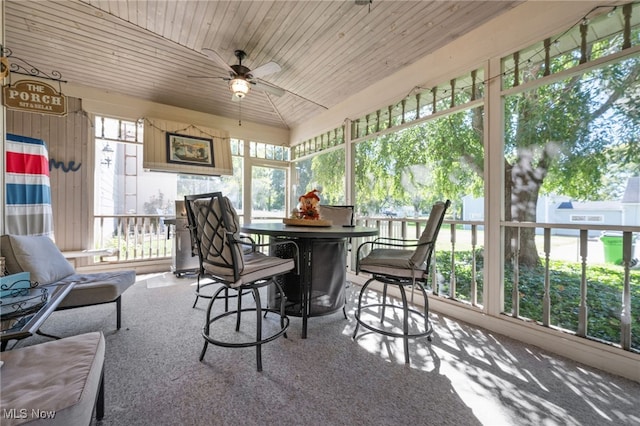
{"type": "Point", "coordinates": [274, 90]}
{"type": "Point", "coordinates": [214, 56]}
{"type": "Point", "coordinates": [264, 70]}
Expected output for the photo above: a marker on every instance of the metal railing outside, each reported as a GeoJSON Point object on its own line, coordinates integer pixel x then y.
{"type": "Point", "coordinates": [133, 237]}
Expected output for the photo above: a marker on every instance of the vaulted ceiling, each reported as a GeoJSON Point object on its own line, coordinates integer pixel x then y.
{"type": "Point", "coordinates": [153, 50]}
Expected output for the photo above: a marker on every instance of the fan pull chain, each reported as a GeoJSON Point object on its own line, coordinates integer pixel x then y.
{"type": "Point", "coordinates": [240, 113]}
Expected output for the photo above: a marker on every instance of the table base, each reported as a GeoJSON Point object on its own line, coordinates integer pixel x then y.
{"type": "Point", "coordinates": [319, 288]}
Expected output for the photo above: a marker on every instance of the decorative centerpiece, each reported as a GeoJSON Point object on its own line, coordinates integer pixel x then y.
{"type": "Point", "coordinates": [308, 206]}
{"type": "Point", "coordinates": [307, 213]}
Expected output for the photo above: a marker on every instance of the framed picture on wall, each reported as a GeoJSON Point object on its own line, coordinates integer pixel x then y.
{"type": "Point", "coordinates": [192, 150]}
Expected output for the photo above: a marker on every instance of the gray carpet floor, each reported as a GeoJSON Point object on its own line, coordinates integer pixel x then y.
{"type": "Point", "coordinates": [465, 376]}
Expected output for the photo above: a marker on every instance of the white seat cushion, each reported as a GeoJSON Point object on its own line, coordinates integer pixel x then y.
{"type": "Point", "coordinates": [61, 376]}
{"type": "Point", "coordinates": [99, 287]}
{"type": "Point", "coordinates": [391, 262]}
{"type": "Point", "coordinates": [257, 266]}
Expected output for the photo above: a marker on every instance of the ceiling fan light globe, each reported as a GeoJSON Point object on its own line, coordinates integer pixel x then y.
{"type": "Point", "coordinates": [239, 87]}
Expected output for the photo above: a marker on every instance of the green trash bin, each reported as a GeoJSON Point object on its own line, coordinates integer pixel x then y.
{"type": "Point", "coordinates": [612, 248]}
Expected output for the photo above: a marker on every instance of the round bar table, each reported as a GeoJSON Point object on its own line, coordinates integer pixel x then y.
{"type": "Point", "coordinates": [319, 288]}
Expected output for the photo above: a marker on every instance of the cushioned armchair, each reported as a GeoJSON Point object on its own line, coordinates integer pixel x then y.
{"type": "Point", "coordinates": [39, 256]}
{"type": "Point", "coordinates": [233, 261]}
{"type": "Point", "coordinates": [399, 263]}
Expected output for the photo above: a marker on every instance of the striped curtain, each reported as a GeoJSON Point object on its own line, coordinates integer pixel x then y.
{"type": "Point", "coordinates": [28, 190]}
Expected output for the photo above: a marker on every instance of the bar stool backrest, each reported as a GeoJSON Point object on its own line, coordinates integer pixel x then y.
{"type": "Point", "coordinates": [215, 228]}
{"type": "Point", "coordinates": [427, 241]}
{"type": "Point", "coordinates": [339, 215]}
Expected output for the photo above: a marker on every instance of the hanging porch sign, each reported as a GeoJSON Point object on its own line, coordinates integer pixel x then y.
{"type": "Point", "coordinates": [34, 96]}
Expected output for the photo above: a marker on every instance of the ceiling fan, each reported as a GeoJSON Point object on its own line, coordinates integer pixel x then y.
{"type": "Point", "coordinates": [241, 79]}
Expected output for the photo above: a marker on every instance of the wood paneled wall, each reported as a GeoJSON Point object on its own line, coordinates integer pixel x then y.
{"type": "Point", "coordinates": [67, 139]}
{"type": "Point", "coordinates": [155, 148]}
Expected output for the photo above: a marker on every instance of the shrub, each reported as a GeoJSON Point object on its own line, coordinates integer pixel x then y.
{"type": "Point", "coordinates": [604, 293]}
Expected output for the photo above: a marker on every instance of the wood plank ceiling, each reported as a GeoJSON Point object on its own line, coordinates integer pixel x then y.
{"type": "Point", "coordinates": [328, 50]}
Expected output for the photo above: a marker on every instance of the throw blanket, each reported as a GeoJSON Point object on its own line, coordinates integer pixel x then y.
{"type": "Point", "coordinates": [28, 189]}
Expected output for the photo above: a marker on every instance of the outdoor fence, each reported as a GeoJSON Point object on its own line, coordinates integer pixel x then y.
{"type": "Point", "coordinates": [133, 237]}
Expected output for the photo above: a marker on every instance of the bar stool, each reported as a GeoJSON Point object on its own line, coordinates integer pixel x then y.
{"type": "Point", "coordinates": [233, 261]}
{"type": "Point", "coordinates": [399, 263]}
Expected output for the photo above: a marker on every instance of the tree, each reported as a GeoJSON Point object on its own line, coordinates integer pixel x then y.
{"type": "Point", "coordinates": [565, 136]}
{"type": "Point", "coordinates": [421, 165]}
{"type": "Point", "coordinates": [268, 192]}
{"type": "Point", "coordinates": [379, 169]}
{"type": "Point", "coordinates": [330, 174]}
{"type": "Point", "coordinates": [561, 137]}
